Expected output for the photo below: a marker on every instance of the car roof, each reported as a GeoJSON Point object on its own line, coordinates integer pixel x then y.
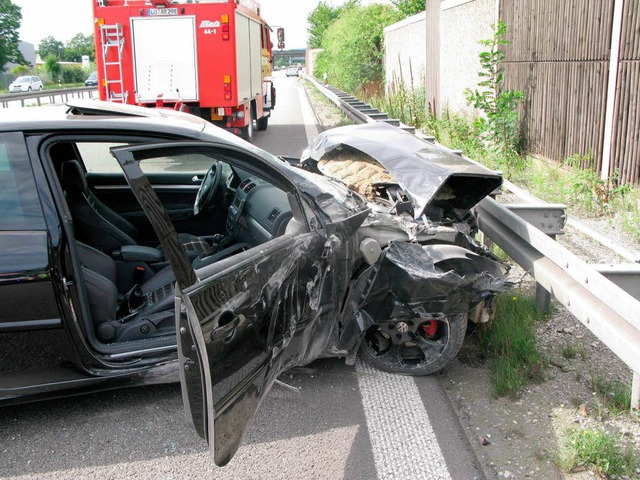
{"type": "Point", "coordinates": [96, 115]}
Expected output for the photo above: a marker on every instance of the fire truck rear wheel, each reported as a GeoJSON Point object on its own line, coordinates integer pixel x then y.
{"type": "Point", "coordinates": [263, 123]}
{"type": "Point", "coordinates": [248, 130]}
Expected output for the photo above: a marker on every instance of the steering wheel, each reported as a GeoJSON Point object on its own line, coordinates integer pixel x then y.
{"type": "Point", "coordinates": [208, 188]}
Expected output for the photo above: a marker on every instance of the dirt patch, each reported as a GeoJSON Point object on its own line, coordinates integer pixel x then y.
{"type": "Point", "coordinates": [526, 437]}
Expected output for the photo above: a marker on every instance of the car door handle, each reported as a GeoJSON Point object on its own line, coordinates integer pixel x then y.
{"type": "Point", "coordinates": [227, 325]}
{"type": "Point", "coordinates": [196, 179]}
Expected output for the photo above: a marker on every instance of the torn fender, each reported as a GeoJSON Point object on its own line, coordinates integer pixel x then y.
{"type": "Point", "coordinates": [419, 281]}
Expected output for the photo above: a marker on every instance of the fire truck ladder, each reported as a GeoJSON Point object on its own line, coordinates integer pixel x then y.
{"type": "Point", "coordinates": [112, 38]}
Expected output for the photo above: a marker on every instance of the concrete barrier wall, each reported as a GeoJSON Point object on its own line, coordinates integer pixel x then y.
{"type": "Point", "coordinates": [405, 52]}
{"type": "Point", "coordinates": [463, 24]}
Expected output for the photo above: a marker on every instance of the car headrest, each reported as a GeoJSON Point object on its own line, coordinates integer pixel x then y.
{"type": "Point", "coordinates": [72, 176]}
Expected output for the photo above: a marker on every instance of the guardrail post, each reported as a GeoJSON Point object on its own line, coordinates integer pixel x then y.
{"type": "Point", "coordinates": [635, 392]}
{"type": "Point", "coordinates": [543, 297]}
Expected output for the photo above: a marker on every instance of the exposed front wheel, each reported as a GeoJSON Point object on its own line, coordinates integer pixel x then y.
{"type": "Point", "coordinates": [416, 346]}
{"type": "Point", "coordinates": [263, 123]}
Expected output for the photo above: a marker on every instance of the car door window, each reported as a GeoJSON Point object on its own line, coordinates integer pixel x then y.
{"type": "Point", "coordinates": [97, 159]}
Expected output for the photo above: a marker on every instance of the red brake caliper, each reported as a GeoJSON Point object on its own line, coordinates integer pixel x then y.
{"type": "Point", "coordinates": [429, 328]}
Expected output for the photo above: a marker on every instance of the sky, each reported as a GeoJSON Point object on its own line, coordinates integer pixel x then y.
{"type": "Point", "coordinates": [65, 18]}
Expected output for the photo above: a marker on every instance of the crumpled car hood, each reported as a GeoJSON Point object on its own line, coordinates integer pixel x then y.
{"type": "Point", "coordinates": [428, 174]}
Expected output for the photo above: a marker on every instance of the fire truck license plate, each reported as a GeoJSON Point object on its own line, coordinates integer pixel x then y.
{"type": "Point", "coordinates": [154, 12]}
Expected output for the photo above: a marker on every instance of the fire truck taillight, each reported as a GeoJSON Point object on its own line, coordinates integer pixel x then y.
{"type": "Point", "coordinates": [225, 27]}
{"type": "Point", "coordinates": [227, 87]}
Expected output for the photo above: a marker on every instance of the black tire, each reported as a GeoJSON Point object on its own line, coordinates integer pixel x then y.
{"type": "Point", "coordinates": [29, 89]}
{"type": "Point", "coordinates": [440, 343]}
{"type": "Point", "coordinates": [263, 123]}
{"type": "Point", "coordinates": [247, 132]}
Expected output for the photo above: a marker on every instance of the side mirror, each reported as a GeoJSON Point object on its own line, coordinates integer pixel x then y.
{"type": "Point", "coordinates": [280, 35]}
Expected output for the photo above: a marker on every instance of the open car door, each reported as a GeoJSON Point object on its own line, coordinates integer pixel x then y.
{"type": "Point", "coordinates": [240, 320]}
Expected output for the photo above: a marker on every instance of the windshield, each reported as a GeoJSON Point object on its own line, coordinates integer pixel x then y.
{"type": "Point", "coordinates": [22, 79]}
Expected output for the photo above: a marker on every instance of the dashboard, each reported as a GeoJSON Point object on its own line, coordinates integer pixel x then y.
{"type": "Point", "coordinates": [258, 211]}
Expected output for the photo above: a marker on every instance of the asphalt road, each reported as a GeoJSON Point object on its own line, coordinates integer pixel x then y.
{"type": "Point", "coordinates": [348, 422]}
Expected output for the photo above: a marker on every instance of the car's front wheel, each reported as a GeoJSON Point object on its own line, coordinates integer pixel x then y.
{"type": "Point", "coordinates": [29, 89]}
{"type": "Point", "coordinates": [414, 346]}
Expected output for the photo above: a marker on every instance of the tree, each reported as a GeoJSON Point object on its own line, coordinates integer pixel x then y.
{"type": "Point", "coordinates": [78, 46]}
{"type": "Point", "coordinates": [499, 105]}
{"type": "Point", "coordinates": [50, 47]}
{"type": "Point", "coordinates": [321, 17]}
{"type": "Point", "coordinates": [52, 66]}
{"type": "Point", "coordinates": [409, 7]}
{"type": "Point", "coordinates": [10, 17]}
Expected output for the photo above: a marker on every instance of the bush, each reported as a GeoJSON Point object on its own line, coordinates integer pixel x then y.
{"type": "Point", "coordinates": [21, 70]}
{"type": "Point", "coordinates": [353, 47]}
{"type": "Point", "coordinates": [72, 74]}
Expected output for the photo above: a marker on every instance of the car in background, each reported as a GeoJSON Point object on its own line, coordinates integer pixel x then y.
{"type": "Point", "coordinates": [26, 83]}
{"type": "Point", "coordinates": [277, 263]}
{"type": "Point", "coordinates": [92, 80]}
{"type": "Point", "coordinates": [292, 72]}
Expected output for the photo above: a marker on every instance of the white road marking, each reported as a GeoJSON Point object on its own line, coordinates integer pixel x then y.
{"type": "Point", "coordinates": [308, 116]}
{"type": "Point", "coordinates": [403, 442]}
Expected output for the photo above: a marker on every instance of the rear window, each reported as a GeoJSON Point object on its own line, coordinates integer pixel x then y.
{"type": "Point", "coordinates": [19, 201]}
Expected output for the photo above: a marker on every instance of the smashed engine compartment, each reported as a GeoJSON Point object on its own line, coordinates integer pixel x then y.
{"type": "Point", "coordinates": [409, 308]}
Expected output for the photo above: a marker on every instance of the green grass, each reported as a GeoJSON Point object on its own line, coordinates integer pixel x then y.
{"type": "Point", "coordinates": [569, 351]}
{"type": "Point", "coordinates": [510, 344]}
{"type": "Point", "coordinates": [316, 98]}
{"type": "Point", "coordinates": [599, 451]}
{"type": "Point", "coordinates": [614, 395]}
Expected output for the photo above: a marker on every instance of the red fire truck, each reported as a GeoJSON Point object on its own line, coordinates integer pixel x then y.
{"type": "Point", "coordinates": [212, 58]}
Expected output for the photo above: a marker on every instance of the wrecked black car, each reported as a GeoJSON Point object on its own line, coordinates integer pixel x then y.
{"type": "Point", "coordinates": [136, 244]}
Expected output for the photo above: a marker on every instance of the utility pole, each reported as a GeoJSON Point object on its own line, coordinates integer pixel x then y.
{"type": "Point", "coordinates": [432, 65]}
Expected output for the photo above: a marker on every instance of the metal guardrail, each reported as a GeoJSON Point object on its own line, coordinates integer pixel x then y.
{"type": "Point", "coordinates": [606, 299]}
{"type": "Point", "coordinates": [63, 93]}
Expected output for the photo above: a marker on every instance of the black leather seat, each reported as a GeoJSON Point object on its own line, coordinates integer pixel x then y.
{"type": "Point", "coordinates": [99, 226]}
{"type": "Point", "coordinates": [143, 313]}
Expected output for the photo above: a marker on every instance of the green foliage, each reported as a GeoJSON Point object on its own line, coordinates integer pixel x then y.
{"type": "Point", "coordinates": [599, 451]}
{"type": "Point", "coordinates": [614, 395]}
{"type": "Point", "coordinates": [78, 46]}
{"type": "Point", "coordinates": [459, 132]}
{"type": "Point", "coordinates": [353, 52]}
{"type": "Point", "coordinates": [409, 7]}
{"type": "Point", "coordinates": [73, 74]}
{"type": "Point", "coordinates": [510, 345]}
{"type": "Point", "coordinates": [52, 67]}
{"type": "Point", "coordinates": [321, 17]}
{"type": "Point", "coordinates": [50, 47]}
{"type": "Point", "coordinates": [21, 70]}
{"type": "Point", "coordinates": [402, 101]}
{"type": "Point", "coordinates": [10, 18]}
{"type": "Point", "coordinates": [501, 120]}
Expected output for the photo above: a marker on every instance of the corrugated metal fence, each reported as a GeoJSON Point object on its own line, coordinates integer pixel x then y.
{"type": "Point", "coordinates": [559, 55]}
